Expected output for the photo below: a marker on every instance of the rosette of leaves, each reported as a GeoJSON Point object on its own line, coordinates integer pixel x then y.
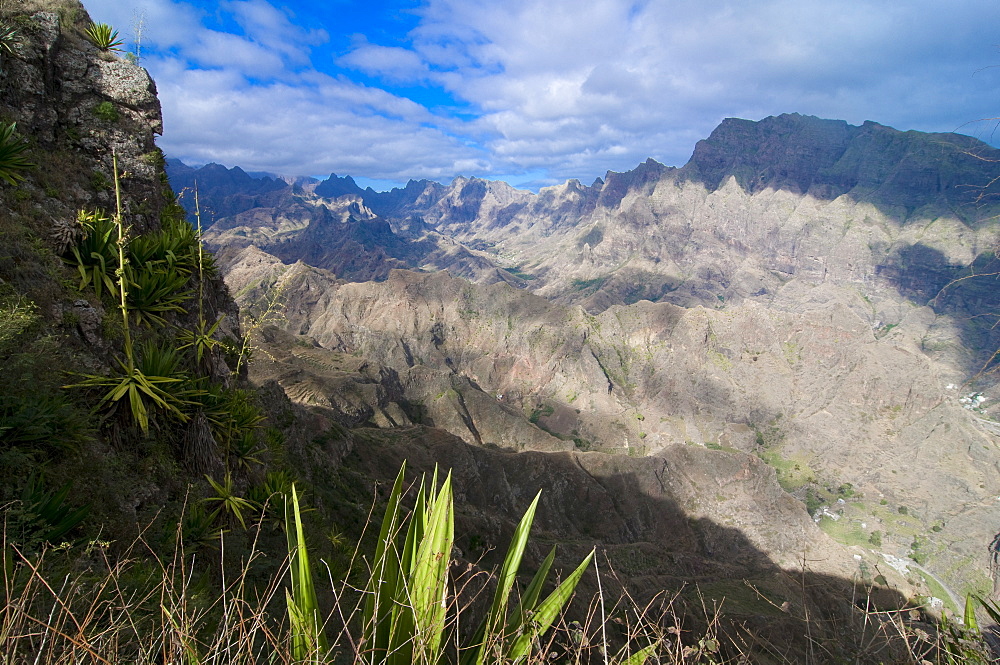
{"type": "Point", "coordinates": [228, 501]}
{"type": "Point", "coordinates": [104, 37]}
{"type": "Point", "coordinates": [12, 149]}
{"type": "Point", "coordinates": [96, 253]}
{"type": "Point", "coordinates": [201, 339]}
{"type": "Point", "coordinates": [174, 247]}
{"type": "Point", "coordinates": [155, 291]}
{"type": "Point", "coordinates": [155, 383]}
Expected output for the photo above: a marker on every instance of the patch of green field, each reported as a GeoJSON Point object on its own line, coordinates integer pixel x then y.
{"type": "Point", "coordinates": [845, 531]}
{"type": "Point", "coordinates": [938, 591]}
{"type": "Point", "coordinates": [584, 284]}
{"type": "Point", "coordinates": [793, 472]}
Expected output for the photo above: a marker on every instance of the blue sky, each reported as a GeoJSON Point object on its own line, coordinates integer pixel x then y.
{"type": "Point", "coordinates": [538, 91]}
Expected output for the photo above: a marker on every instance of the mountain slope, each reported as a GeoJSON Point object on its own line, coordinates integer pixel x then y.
{"type": "Point", "coordinates": [798, 266]}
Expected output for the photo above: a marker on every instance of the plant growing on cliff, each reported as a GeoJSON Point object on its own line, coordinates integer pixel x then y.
{"type": "Point", "coordinates": [104, 37]}
{"type": "Point", "coordinates": [96, 253]}
{"type": "Point", "coordinates": [12, 159]}
{"type": "Point", "coordinates": [106, 111]}
{"type": "Point", "coordinates": [144, 391]}
{"type": "Point", "coordinates": [8, 37]}
{"type": "Point", "coordinates": [202, 338]}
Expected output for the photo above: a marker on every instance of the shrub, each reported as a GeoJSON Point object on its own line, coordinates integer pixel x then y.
{"type": "Point", "coordinates": [96, 254]}
{"type": "Point", "coordinates": [104, 37]}
{"type": "Point", "coordinates": [106, 111]}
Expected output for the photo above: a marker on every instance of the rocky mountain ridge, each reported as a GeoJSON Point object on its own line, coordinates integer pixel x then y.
{"type": "Point", "coordinates": [796, 269]}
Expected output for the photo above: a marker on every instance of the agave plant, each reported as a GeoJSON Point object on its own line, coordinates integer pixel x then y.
{"type": "Point", "coordinates": [228, 501]}
{"type": "Point", "coordinates": [12, 159]}
{"type": "Point", "coordinates": [201, 339]}
{"type": "Point", "coordinates": [8, 37]}
{"type": "Point", "coordinates": [404, 614]}
{"type": "Point", "coordinates": [96, 253]}
{"type": "Point", "coordinates": [153, 293]}
{"type": "Point", "coordinates": [245, 450]}
{"type": "Point", "coordinates": [144, 392]}
{"type": "Point", "coordinates": [174, 247]}
{"type": "Point", "coordinates": [104, 37]}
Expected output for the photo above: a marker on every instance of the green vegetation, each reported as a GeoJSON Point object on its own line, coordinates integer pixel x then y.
{"type": "Point", "coordinates": [162, 610]}
{"type": "Point", "coordinates": [8, 38]}
{"type": "Point", "coordinates": [845, 531]}
{"type": "Point", "coordinates": [404, 617]}
{"type": "Point", "coordinates": [584, 284]}
{"type": "Point", "coordinates": [965, 643]}
{"type": "Point", "coordinates": [104, 37]}
{"type": "Point", "coordinates": [144, 381]}
{"type": "Point", "coordinates": [539, 412]}
{"type": "Point", "coordinates": [793, 473]}
{"type": "Point", "coordinates": [12, 158]}
{"type": "Point", "coordinates": [106, 111]}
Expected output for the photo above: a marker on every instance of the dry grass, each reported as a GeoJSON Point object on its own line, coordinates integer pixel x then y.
{"type": "Point", "coordinates": [80, 606]}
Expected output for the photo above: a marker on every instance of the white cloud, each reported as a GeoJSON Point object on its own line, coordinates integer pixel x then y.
{"type": "Point", "coordinates": [392, 62]}
{"type": "Point", "coordinates": [316, 128]}
{"type": "Point", "coordinates": [556, 86]}
{"type": "Point", "coordinates": [273, 29]}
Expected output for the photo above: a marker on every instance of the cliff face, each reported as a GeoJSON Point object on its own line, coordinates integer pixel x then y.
{"type": "Point", "coordinates": [79, 107]}
{"type": "Point", "coordinates": [80, 110]}
{"type": "Point", "coordinates": [829, 158]}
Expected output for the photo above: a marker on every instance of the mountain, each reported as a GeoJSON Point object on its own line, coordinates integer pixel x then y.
{"type": "Point", "coordinates": [223, 192]}
{"type": "Point", "coordinates": [788, 295]}
{"type": "Point", "coordinates": [683, 443]}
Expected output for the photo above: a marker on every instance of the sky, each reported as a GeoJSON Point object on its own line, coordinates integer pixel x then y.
{"type": "Point", "coordinates": [535, 92]}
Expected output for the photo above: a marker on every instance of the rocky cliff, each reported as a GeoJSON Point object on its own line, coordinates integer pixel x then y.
{"type": "Point", "coordinates": [79, 111]}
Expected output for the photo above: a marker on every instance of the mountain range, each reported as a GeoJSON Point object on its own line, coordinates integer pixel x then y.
{"type": "Point", "coordinates": [758, 386]}
{"type": "Point", "coordinates": [816, 295]}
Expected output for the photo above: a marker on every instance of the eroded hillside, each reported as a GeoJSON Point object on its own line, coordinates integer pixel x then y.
{"type": "Point", "coordinates": [803, 312]}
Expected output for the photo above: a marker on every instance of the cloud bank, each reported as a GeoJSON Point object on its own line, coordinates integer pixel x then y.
{"type": "Point", "coordinates": [539, 91]}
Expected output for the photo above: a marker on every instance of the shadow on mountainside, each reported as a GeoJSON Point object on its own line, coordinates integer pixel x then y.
{"type": "Point", "coordinates": [968, 294]}
{"type": "Point", "coordinates": [641, 515]}
{"type": "Point", "coordinates": [829, 158]}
